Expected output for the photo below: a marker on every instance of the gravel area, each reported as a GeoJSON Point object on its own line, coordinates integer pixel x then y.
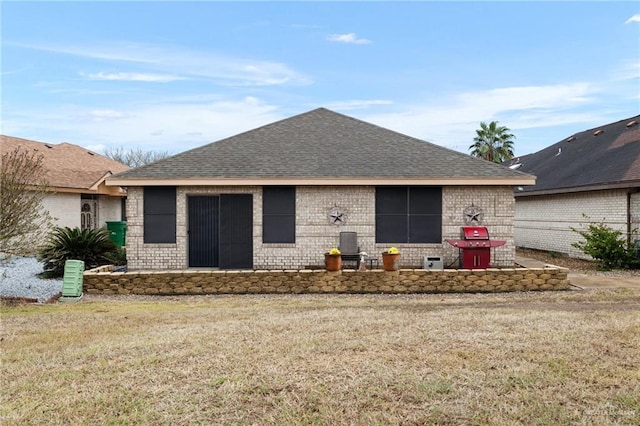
{"type": "Point", "coordinates": [19, 278]}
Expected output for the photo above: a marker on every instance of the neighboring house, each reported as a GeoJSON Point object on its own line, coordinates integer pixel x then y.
{"type": "Point", "coordinates": [594, 173]}
{"type": "Point", "coordinates": [77, 194]}
{"type": "Point", "coordinates": [277, 197]}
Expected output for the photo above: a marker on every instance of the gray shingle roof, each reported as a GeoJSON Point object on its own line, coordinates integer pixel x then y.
{"type": "Point", "coordinates": [605, 156]}
{"type": "Point", "coordinates": [321, 144]}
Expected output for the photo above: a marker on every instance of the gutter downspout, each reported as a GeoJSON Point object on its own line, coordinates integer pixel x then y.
{"type": "Point", "coordinates": [629, 216]}
{"type": "Point", "coordinates": [628, 219]}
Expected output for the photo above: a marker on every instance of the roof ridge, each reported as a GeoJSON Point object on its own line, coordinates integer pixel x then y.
{"type": "Point", "coordinates": [322, 144]}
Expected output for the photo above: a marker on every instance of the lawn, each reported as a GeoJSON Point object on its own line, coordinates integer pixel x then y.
{"type": "Point", "coordinates": [520, 358]}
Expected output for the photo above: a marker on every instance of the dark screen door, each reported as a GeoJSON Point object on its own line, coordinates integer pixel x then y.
{"type": "Point", "coordinates": [236, 231]}
{"type": "Point", "coordinates": [203, 231]}
{"type": "Point", "coordinates": [221, 231]}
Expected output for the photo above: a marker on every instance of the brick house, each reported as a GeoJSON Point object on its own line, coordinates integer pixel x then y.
{"type": "Point", "coordinates": [78, 195]}
{"type": "Point", "coordinates": [595, 172]}
{"type": "Point", "coordinates": [278, 196]}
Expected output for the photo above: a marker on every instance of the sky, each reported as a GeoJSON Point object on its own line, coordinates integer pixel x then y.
{"type": "Point", "coordinates": [170, 76]}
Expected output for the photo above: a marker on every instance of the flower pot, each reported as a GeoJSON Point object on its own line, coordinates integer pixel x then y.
{"type": "Point", "coordinates": [391, 262]}
{"type": "Point", "coordinates": [332, 262]}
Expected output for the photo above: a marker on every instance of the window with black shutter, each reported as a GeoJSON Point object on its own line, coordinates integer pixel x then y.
{"type": "Point", "coordinates": [160, 214]}
{"type": "Point", "coordinates": [278, 214]}
{"type": "Point", "coordinates": [408, 214]}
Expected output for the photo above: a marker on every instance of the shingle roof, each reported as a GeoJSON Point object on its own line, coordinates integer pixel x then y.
{"type": "Point", "coordinates": [607, 156]}
{"type": "Point", "coordinates": [320, 144]}
{"type": "Point", "coordinates": [67, 165]}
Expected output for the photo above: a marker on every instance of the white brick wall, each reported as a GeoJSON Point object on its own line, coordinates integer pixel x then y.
{"type": "Point", "coordinates": [635, 216]}
{"type": "Point", "coordinates": [315, 235]}
{"type": "Point", "coordinates": [545, 222]}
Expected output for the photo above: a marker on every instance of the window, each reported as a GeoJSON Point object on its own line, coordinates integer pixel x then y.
{"type": "Point", "coordinates": [278, 214]}
{"type": "Point", "coordinates": [160, 214]}
{"type": "Point", "coordinates": [408, 214]}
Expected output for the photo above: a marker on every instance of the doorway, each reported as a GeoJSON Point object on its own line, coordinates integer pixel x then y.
{"type": "Point", "coordinates": [220, 231]}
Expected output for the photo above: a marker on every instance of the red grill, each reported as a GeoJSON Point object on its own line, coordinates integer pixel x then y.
{"type": "Point", "coordinates": [475, 247]}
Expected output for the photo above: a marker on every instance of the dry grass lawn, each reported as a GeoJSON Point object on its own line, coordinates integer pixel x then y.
{"type": "Point", "coordinates": [528, 358]}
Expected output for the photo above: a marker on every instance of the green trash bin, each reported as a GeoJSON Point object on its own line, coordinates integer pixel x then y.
{"type": "Point", "coordinates": [118, 232]}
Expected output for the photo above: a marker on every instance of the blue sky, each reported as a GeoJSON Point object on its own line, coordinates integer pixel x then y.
{"type": "Point", "coordinates": [175, 75]}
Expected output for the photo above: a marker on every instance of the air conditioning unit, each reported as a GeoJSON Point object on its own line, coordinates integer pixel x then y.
{"type": "Point", "coordinates": [433, 262]}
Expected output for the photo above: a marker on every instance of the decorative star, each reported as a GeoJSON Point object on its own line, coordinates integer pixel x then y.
{"type": "Point", "coordinates": [473, 216]}
{"type": "Point", "coordinates": [337, 217]}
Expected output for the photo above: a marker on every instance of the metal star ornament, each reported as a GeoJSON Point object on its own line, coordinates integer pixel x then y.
{"type": "Point", "coordinates": [337, 216]}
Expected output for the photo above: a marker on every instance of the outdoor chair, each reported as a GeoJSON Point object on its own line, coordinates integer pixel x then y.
{"type": "Point", "coordinates": [349, 249]}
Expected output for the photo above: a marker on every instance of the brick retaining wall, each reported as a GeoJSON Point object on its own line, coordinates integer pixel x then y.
{"type": "Point", "coordinates": [103, 281]}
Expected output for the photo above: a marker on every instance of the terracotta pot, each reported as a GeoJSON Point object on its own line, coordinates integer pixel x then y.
{"type": "Point", "coordinates": [333, 262]}
{"type": "Point", "coordinates": [391, 262]}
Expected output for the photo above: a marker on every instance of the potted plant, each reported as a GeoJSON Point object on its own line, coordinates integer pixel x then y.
{"type": "Point", "coordinates": [391, 259]}
{"type": "Point", "coordinates": [333, 260]}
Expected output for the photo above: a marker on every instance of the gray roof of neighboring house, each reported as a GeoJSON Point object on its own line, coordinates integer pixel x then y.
{"type": "Point", "coordinates": [604, 157]}
{"type": "Point", "coordinates": [320, 144]}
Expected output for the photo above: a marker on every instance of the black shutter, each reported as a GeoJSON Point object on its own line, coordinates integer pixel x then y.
{"type": "Point", "coordinates": [408, 214]}
{"type": "Point", "coordinates": [279, 214]}
{"type": "Point", "coordinates": [391, 214]}
{"type": "Point", "coordinates": [236, 231]}
{"type": "Point", "coordinates": [160, 214]}
{"type": "Point", "coordinates": [425, 214]}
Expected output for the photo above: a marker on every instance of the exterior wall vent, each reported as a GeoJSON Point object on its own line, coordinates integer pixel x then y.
{"type": "Point", "coordinates": [598, 132]}
{"type": "Point", "coordinates": [632, 123]}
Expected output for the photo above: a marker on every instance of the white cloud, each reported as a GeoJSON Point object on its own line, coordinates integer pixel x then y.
{"type": "Point", "coordinates": [634, 18]}
{"type": "Point", "coordinates": [106, 114]}
{"type": "Point", "coordinates": [628, 71]}
{"type": "Point", "coordinates": [133, 76]}
{"type": "Point", "coordinates": [174, 127]}
{"type": "Point", "coordinates": [177, 60]}
{"type": "Point", "coordinates": [356, 104]}
{"type": "Point", "coordinates": [99, 148]}
{"type": "Point", "coordinates": [451, 121]}
{"type": "Point", "coordinates": [347, 38]}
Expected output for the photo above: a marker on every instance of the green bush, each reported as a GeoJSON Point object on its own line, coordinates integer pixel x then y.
{"type": "Point", "coordinates": [93, 246]}
{"type": "Point", "coordinates": [119, 257]}
{"type": "Point", "coordinates": [606, 245]}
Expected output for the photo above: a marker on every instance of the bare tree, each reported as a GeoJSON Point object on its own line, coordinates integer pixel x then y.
{"type": "Point", "coordinates": [23, 221]}
{"type": "Point", "coordinates": [135, 157]}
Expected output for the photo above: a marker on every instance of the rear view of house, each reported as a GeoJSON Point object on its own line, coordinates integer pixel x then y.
{"type": "Point", "coordinates": [77, 195]}
{"type": "Point", "coordinates": [277, 197]}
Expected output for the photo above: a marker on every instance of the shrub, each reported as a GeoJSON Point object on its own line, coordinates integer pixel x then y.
{"type": "Point", "coordinates": [119, 257]}
{"type": "Point", "coordinates": [606, 245]}
{"type": "Point", "coordinates": [92, 246]}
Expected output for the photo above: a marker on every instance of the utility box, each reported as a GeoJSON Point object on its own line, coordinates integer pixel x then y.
{"type": "Point", "coordinates": [433, 262]}
{"type": "Point", "coordinates": [72, 280]}
{"type": "Point", "coordinates": [118, 232]}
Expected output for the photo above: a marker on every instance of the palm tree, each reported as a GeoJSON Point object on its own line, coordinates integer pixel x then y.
{"type": "Point", "coordinates": [493, 142]}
